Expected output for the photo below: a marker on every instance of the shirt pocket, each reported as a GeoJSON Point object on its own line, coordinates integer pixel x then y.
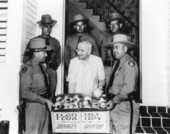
{"type": "Point", "coordinates": [38, 80]}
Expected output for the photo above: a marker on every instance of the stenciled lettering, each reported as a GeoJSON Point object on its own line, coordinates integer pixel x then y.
{"type": "Point", "coordinates": [93, 126]}
{"type": "Point", "coordinates": [66, 126]}
{"type": "Point", "coordinates": [91, 116]}
{"type": "Point", "coordinates": [66, 116]}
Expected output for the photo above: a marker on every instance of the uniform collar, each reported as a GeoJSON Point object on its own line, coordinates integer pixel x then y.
{"type": "Point", "coordinates": [124, 58]}
{"type": "Point", "coordinates": [45, 37]}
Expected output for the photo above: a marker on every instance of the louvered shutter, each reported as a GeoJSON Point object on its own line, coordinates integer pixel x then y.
{"type": "Point", "coordinates": [3, 28]}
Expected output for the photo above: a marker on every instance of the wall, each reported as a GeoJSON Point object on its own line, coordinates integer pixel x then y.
{"type": "Point", "coordinates": [17, 37]}
{"type": "Point", "coordinates": [155, 45]}
{"type": "Point", "coordinates": [9, 78]}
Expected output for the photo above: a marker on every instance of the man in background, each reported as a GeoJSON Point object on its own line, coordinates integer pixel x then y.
{"type": "Point", "coordinates": [79, 25]}
{"type": "Point", "coordinates": [115, 25]}
{"type": "Point", "coordinates": [53, 58]}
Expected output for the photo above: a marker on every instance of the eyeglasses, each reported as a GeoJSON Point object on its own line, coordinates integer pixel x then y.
{"type": "Point", "coordinates": [81, 50]}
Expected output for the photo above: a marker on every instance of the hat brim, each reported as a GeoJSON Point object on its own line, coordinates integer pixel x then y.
{"type": "Point", "coordinates": [120, 19]}
{"type": "Point", "coordinates": [52, 23]}
{"type": "Point", "coordinates": [83, 20]}
{"type": "Point", "coordinates": [129, 44]}
{"type": "Point", "coordinates": [47, 48]}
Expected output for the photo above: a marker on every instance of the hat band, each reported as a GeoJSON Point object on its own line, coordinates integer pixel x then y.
{"type": "Point", "coordinates": [38, 49]}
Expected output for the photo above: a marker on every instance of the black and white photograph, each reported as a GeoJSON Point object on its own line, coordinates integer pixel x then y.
{"type": "Point", "coordinates": [84, 67]}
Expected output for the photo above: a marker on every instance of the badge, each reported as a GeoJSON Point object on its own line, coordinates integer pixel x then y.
{"type": "Point", "coordinates": [24, 69]}
{"type": "Point", "coordinates": [131, 63]}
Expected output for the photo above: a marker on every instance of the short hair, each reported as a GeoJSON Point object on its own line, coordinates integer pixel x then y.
{"type": "Point", "coordinates": [88, 44]}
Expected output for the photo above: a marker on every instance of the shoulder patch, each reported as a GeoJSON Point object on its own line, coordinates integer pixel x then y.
{"type": "Point", "coordinates": [24, 69]}
{"type": "Point", "coordinates": [131, 63]}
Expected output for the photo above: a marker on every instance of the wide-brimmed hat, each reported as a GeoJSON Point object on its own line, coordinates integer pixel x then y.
{"type": "Point", "coordinates": [47, 20]}
{"type": "Point", "coordinates": [115, 16]}
{"type": "Point", "coordinates": [121, 38]}
{"type": "Point", "coordinates": [78, 18]}
{"type": "Point", "coordinates": [38, 45]}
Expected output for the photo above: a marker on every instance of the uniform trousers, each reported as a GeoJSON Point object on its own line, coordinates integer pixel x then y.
{"type": "Point", "coordinates": [37, 118]}
{"type": "Point", "coordinates": [120, 118]}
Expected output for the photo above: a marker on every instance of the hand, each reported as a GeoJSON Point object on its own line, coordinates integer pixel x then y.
{"type": "Point", "coordinates": [49, 104]}
{"type": "Point", "coordinates": [110, 105]}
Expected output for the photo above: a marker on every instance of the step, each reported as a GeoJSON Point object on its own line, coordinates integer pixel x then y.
{"type": "Point", "coordinates": [153, 120]}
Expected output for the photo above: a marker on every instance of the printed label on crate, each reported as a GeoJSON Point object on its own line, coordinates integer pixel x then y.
{"type": "Point", "coordinates": [95, 122]}
{"type": "Point", "coordinates": [65, 121]}
{"type": "Point", "coordinates": [81, 122]}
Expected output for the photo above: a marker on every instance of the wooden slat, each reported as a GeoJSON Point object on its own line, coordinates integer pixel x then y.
{"type": "Point", "coordinates": [3, 5]}
{"type": "Point", "coordinates": [3, 14]}
{"type": "Point", "coordinates": [3, 25]}
{"type": "Point", "coordinates": [2, 44]}
{"type": "Point", "coordinates": [3, 38]}
{"type": "Point", "coordinates": [2, 52]}
{"type": "Point", "coordinates": [3, 31]}
{"type": "Point", "coordinates": [2, 59]}
{"type": "Point", "coordinates": [34, 2]}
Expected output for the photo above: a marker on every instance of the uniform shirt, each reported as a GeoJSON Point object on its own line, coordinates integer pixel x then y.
{"type": "Point", "coordinates": [125, 79]}
{"type": "Point", "coordinates": [71, 46]}
{"type": "Point", "coordinates": [55, 55]}
{"type": "Point", "coordinates": [32, 82]}
{"type": "Point", "coordinates": [106, 52]}
{"type": "Point", "coordinates": [86, 74]}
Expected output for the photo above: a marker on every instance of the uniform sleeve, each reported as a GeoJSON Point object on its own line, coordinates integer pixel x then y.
{"type": "Point", "coordinates": [58, 54]}
{"type": "Point", "coordinates": [103, 54]}
{"type": "Point", "coordinates": [95, 47]}
{"type": "Point", "coordinates": [67, 53]}
{"type": "Point", "coordinates": [26, 85]}
{"type": "Point", "coordinates": [129, 77]}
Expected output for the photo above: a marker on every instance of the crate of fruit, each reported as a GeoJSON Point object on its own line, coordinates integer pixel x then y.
{"type": "Point", "coordinates": [77, 113]}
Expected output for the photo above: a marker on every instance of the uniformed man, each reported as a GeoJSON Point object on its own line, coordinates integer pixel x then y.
{"type": "Point", "coordinates": [34, 88]}
{"type": "Point", "coordinates": [121, 85]}
{"type": "Point", "coordinates": [78, 34]}
{"type": "Point", "coordinates": [79, 24]}
{"type": "Point", "coordinates": [53, 58]}
{"type": "Point", "coordinates": [114, 24]}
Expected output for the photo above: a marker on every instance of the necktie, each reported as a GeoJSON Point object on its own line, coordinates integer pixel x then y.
{"type": "Point", "coordinates": [47, 41]}
{"type": "Point", "coordinates": [112, 76]}
{"type": "Point", "coordinates": [45, 78]}
{"type": "Point", "coordinates": [79, 39]}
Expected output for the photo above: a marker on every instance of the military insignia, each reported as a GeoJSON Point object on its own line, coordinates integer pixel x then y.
{"type": "Point", "coordinates": [131, 63]}
{"type": "Point", "coordinates": [24, 69]}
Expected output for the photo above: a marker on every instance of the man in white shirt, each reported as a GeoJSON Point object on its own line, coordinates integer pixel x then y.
{"type": "Point", "coordinates": [86, 71]}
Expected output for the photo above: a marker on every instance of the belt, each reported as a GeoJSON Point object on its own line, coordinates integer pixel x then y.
{"type": "Point", "coordinates": [44, 95]}
{"type": "Point", "coordinates": [108, 63]}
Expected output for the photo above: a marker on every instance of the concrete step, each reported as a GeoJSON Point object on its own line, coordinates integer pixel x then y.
{"type": "Point", "coordinates": [153, 119]}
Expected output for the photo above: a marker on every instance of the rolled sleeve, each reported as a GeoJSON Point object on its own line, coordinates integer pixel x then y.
{"type": "Point", "coordinates": [71, 72]}
{"type": "Point", "coordinates": [101, 72]}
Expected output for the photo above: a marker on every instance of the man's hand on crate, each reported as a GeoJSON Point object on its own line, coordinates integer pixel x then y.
{"type": "Point", "coordinates": [49, 104]}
